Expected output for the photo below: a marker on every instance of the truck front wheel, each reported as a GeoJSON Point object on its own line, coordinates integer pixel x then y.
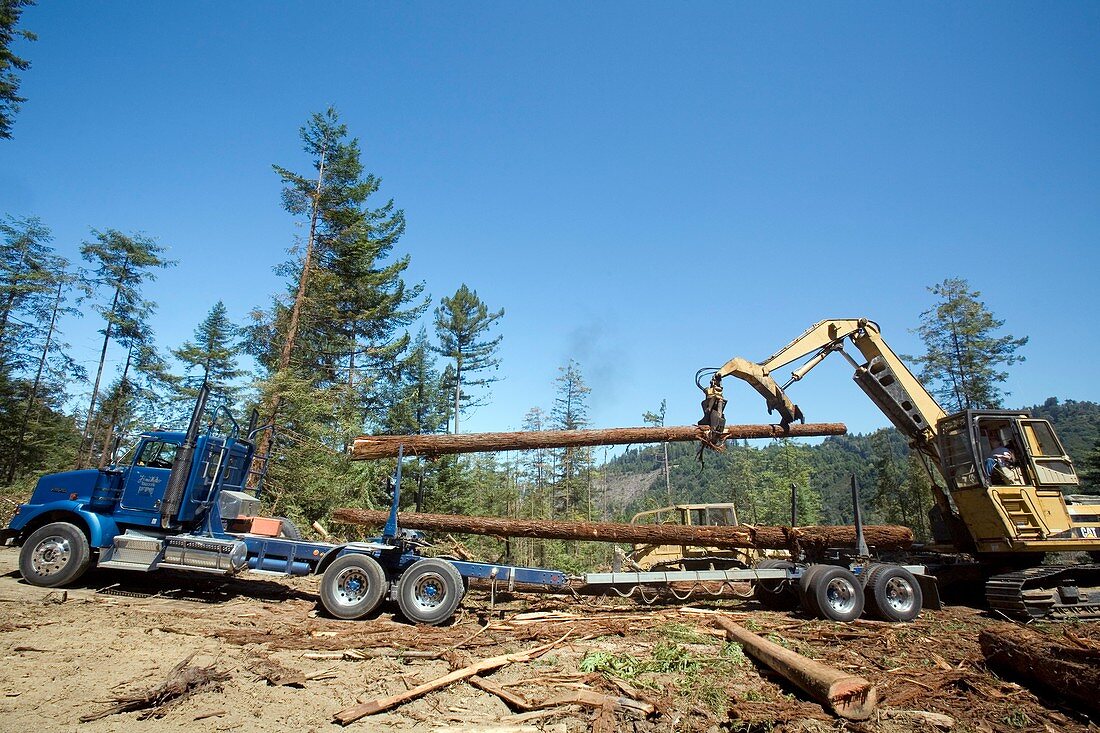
{"type": "Point", "coordinates": [54, 555]}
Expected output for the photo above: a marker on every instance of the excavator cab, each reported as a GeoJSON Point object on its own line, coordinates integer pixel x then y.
{"type": "Point", "coordinates": [1012, 480]}
{"type": "Point", "coordinates": [985, 448]}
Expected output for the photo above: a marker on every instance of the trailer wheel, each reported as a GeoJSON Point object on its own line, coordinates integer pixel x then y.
{"type": "Point", "coordinates": [893, 594]}
{"type": "Point", "coordinates": [775, 595]}
{"type": "Point", "coordinates": [808, 600]}
{"type": "Point", "coordinates": [837, 593]}
{"type": "Point", "coordinates": [353, 586]}
{"type": "Point", "coordinates": [54, 555]}
{"type": "Point", "coordinates": [430, 591]}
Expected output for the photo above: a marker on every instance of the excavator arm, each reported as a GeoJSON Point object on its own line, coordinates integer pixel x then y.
{"type": "Point", "coordinates": [882, 375]}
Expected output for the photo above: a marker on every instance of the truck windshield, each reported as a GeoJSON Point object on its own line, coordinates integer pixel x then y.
{"type": "Point", "coordinates": [157, 454]}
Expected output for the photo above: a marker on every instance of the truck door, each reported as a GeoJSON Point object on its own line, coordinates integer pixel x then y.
{"type": "Point", "coordinates": [148, 477]}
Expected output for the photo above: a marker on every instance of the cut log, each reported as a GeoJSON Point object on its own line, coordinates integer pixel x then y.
{"type": "Point", "coordinates": [513, 700]}
{"type": "Point", "coordinates": [1064, 670]}
{"type": "Point", "coordinates": [430, 446]}
{"type": "Point", "coordinates": [355, 712]}
{"type": "Point", "coordinates": [761, 537]}
{"type": "Point", "coordinates": [843, 694]}
{"type": "Point", "coordinates": [592, 699]}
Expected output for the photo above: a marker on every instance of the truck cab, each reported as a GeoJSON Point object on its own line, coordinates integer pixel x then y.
{"type": "Point", "coordinates": [176, 500]}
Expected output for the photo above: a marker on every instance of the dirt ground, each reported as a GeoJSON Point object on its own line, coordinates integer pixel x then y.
{"type": "Point", "coordinates": [277, 663]}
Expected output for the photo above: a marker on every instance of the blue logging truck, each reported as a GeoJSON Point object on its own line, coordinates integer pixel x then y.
{"type": "Point", "coordinates": [183, 501]}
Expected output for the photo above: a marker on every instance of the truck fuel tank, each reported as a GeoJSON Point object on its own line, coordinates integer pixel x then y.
{"type": "Point", "coordinates": [205, 554]}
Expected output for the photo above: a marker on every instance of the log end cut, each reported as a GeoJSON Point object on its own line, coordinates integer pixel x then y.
{"type": "Point", "coordinates": [853, 698]}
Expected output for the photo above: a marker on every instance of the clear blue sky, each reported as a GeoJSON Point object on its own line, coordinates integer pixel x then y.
{"type": "Point", "coordinates": [647, 188]}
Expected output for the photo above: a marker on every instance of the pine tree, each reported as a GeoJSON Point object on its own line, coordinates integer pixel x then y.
{"type": "Point", "coordinates": [1091, 472]}
{"type": "Point", "coordinates": [537, 461]}
{"type": "Point", "coordinates": [657, 419]}
{"type": "Point", "coordinates": [462, 323]}
{"type": "Point", "coordinates": [343, 322]}
{"type": "Point", "coordinates": [45, 393]}
{"type": "Point", "coordinates": [418, 405]}
{"type": "Point", "coordinates": [329, 347]}
{"type": "Point", "coordinates": [34, 364]}
{"type": "Point", "coordinates": [786, 463]}
{"type": "Point", "coordinates": [570, 412]}
{"type": "Point", "coordinates": [742, 474]}
{"type": "Point", "coordinates": [10, 11]}
{"type": "Point", "coordinates": [121, 264]}
{"type": "Point", "coordinates": [963, 355]}
{"type": "Point", "coordinates": [887, 502]}
{"type": "Point", "coordinates": [419, 402]}
{"type": "Point", "coordinates": [29, 273]}
{"type": "Point", "coordinates": [137, 399]}
{"type": "Point", "coordinates": [211, 358]}
{"type": "Point", "coordinates": [916, 497]}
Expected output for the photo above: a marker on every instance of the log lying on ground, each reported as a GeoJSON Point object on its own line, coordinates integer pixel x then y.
{"type": "Point", "coordinates": [355, 712]}
{"type": "Point", "coordinates": [430, 446]}
{"type": "Point", "coordinates": [846, 695]}
{"type": "Point", "coordinates": [1067, 669]}
{"type": "Point", "coordinates": [760, 537]}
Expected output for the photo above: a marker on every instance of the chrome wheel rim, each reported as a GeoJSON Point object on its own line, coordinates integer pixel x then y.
{"type": "Point", "coordinates": [429, 591]}
{"type": "Point", "coordinates": [899, 595]}
{"type": "Point", "coordinates": [840, 595]}
{"type": "Point", "coordinates": [351, 587]}
{"type": "Point", "coordinates": [51, 555]}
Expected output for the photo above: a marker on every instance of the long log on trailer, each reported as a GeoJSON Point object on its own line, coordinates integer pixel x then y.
{"type": "Point", "coordinates": [430, 446]}
{"type": "Point", "coordinates": [882, 537]}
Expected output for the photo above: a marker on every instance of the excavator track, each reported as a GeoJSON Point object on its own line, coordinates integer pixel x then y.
{"type": "Point", "coordinates": [1054, 592]}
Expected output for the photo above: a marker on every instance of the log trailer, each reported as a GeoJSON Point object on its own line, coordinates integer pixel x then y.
{"type": "Point", "coordinates": [1001, 523]}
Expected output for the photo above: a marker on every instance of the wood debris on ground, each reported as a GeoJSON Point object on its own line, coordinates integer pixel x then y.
{"type": "Point", "coordinates": [182, 680]}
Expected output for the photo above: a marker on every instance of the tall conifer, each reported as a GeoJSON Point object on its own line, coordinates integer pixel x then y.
{"type": "Point", "coordinates": [963, 355]}
{"type": "Point", "coordinates": [121, 264]}
{"type": "Point", "coordinates": [462, 323]}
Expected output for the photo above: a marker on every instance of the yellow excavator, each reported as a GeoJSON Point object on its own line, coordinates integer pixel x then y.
{"type": "Point", "coordinates": [1006, 496]}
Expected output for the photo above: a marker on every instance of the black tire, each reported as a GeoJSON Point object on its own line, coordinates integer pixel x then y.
{"type": "Point", "coordinates": [54, 555]}
{"type": "Point", "coordinates": [430, 591]}
{"type": "Point", "coordinates": [775, 595]}
{"type": "Point", "coordinates": [837, 593]}
{"type": "Point", "coordinates": [892, 593]}
{"type": "Point", "coordinates": [288, 530]}
{"type": "Point", "coordinates": [353, 586]}
{"type": "Point", "coordinates": [808, 601]}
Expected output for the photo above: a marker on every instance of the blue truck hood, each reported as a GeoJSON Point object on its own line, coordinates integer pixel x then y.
{"type": "Point", "coordinates": [57, 486]}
